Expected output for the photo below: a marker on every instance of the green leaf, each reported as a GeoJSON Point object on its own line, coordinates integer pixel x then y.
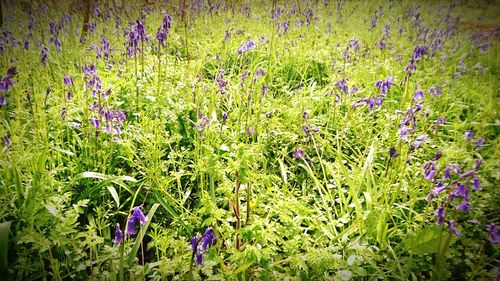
{"type": "Point", "coordinates": [114, 194]}
{"type": "Point", "coordinates": [426, 241]}
{"type": "Point", "coordinates": [4, 247]}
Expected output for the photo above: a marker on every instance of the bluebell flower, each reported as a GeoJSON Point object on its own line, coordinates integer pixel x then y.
{"type": "Point", "coordinates": [469, 134]}
{"type": "Point", "coordinates": [418, 95]}
{"type": "Point", "coordinates": [440, 215]}
{"type": "Point", "coordinates": [494, 233]}
{"type": "Point", "coordinates": [479, 143]}
{"type": "Point", "coordinates": [452, 228]}
{"type": "Point", "coordinates": [438, 189]}
{"type": "Point", "coordinates": [246, 47]}
{"type": "Point", "coordinates": [476, 185]}
{"type": "Point", "coordinates": [342, 85]}
{"type": "Point", "coordinates": [392, 152]}
{"type": "Point", "coordinates": [464, 206]}
{"type": "Point", "coordinates": [299, 154]}
{"type": "Point", "coordinates": [118, 235]}
{"type": "Point", "coordinates": [384, 85]}
{"type": "Point", "coordinates": [131, 226]}
{"type": "Point", "coordinates": [3, 100]}
{"type": "Point", "coordinates": [137, 213]}
{"type": "Point", "coordinates": [95, 122]}
{"type": "Point", "coordinates": [199, 259]}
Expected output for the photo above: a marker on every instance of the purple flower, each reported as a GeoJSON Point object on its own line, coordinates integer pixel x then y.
{"type": "Point", "coordinates": [208, 239]}
{"type": "Point", "coordinates": [460, 191]}
{"type": "Point", "coordinates": [468, 173]}
{"type": "Point", "coordinates": [438, 155]}
{"type": "Point", "coordinates": [453, 229]}
{"type": "Point", "coordinates": [118, 235]}
{"type": "Point", "coordinates": [494, 233]}
{"type": "Point", "coordinates": [194, 243]}
{"type": "Point", "coordinates": [384, 85]}
{"type": "Point", "coordinates": [131, 226]}
{"type": "Point", "coordinates": [418, 142]}
{"type": "Point", "coordinates": [447, 173]}
{"type": "Point", "coordinates": [138, 215]}
{"type": "Point", "coordinates": [342, 85]}
{"type": "Point", "coordinates": [95, 122]}
{"type": "Point", "coordinates": [392, 152]}
{"type": "Point", "coordinates": [438, 189]}
{"type": "Point", "coordinates": [246, 47]}
{"type": "Point", "coordinates": [478, 164]}
{"type": "Point", "coordinates": [3, 100]}
{"type": "Point", "coordinates": [298, 154]}
{"type": "Point", "coordinates": [161, 35]}
{"type": "Point", "coordinates": [440, 215]}
{"type": "Point", "coordinates": [199, 259]}
{"type": "Point", "coordinates": [381, 44]}
{"type": "Point", "coordinates": [469, 134]}
{"type": "Point", "coordinates": [250, 131]}
{"type": "Point", "coordinates": [441, 121]}
{"type": "Point", "coordinates": [419, 51]}
{"type": "Point", "coordinates": [403, 133]}
{"type": "Point", "coordinates": [476, 185]}
{"type": "Point", "coordinates": [68, 81]}
{"type": "Point", "coordinates": [479, 143]}
{"type": "Point", "coordinates": [464, 206]}
{"type": "Point", "coordinates": [418, 95]}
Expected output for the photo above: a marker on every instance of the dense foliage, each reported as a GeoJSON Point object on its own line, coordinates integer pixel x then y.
{"type": "Point", "coordinates": [249, 140]}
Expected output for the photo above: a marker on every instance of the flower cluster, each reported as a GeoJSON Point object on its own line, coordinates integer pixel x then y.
{"type": "Point", "coordinates": [199, 245]}
{"type": "Point", "coordinates": [5, 83]}
{"type": "Point", "coordinates": [136, 217]}
{"type": "Point", "coordinates": [113, 118]}
{"type": "Point", "coordinates": [456, 184]}
{"type": "Point", "coordinates": [245, 47]}
{"type": "Point", "coordinates": [162, 33]}
{"type": "Point", "coordinates": [138, 33]}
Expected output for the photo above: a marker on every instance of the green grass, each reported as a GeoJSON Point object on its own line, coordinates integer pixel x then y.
{"type": "Point", "coordinates": [195, 157]}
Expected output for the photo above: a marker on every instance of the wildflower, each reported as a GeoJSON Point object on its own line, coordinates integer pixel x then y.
{"type": "Point", "coordinates": [418, 142]}
{"type": "Point", "coordinates": [469, 134]}
{"type": "Point", "coordinates": [194, 243]}
{"type": "Point", "coordinates": [342, 85]}
{"type": "Point", "coordinates": [453, 229]}
{"type": "Point", "coordinates": [438, 155]}
{"type": "Point", "coordinates": [131, 226]}
{"type": "Point", "coordinates": [418, 95]}
{"type": "Point", "coordinates": [199, 259]}
{"type": "Point", "coordinates": [460, 191]}
{"type": "Point", "coordinates": [429, 168]}
{"type": "Point", "coordinates": [118, 235]}
{"type": "Point", "coordinates": [138, 215]}
{"type": "Point", "coordinates": [468, 173]}
{"type": "Point", "coordinates": [438, 189]}
{"type": "Point", "coordinates": [384, 85]}
{"type": "Point", "coordinates": [479, 143]}
{"type": "Point", "coordinates": [95, 122]}
{"type": "Point", "coordinates": [250, 131]}
{"type": "Point", "coordinates": [298, 154]}
{"type": "Point", "coordinates": [440, 215]}
{"type": "Point", "coordinates": [464, 206]}
{"type": "Point", "coordinates": [419, 51]}
{"type": "Point", "coordinates": [200, 245]}
{"type": "Point", "coordinates": [476, 185]}
{"type": "Point", "coordinates": [478, 164]}
{"type": "Point", "coordinates": [246, 47]}
{"type": "Point", "coordinates": [392, 152]}
{"type": "Point", "coordinates": [208, 239]}
{"type": "Point", "coordinates": [68, 81]}
{"type": "Point", "coordinates": [494, 233]}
